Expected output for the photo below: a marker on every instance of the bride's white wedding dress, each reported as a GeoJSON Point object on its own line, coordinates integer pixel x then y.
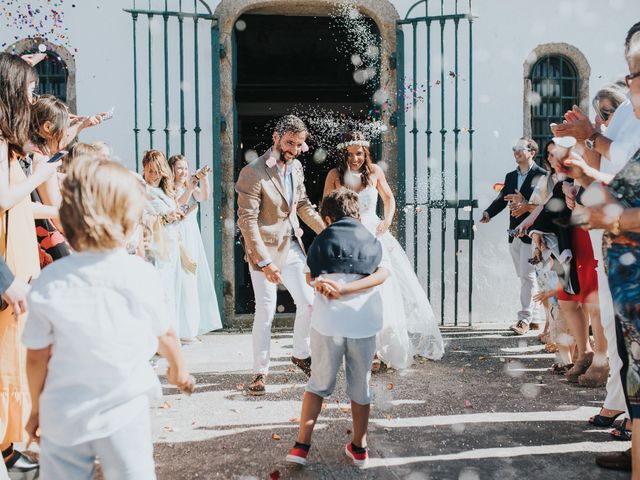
{"type": "Point", "coordinates": [409, 325]}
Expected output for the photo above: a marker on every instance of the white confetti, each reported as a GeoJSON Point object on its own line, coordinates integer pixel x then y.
{"type": "Point", "coordinates": [250, 156]}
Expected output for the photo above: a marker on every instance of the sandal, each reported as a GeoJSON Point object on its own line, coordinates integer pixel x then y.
{"type": "Point", "coordinates": [602, 421]}
{"type": "Point", "coordinates": [620, 432]}
{"type": "Point", "coordinates": [551, 347]}
{"type": "Point", "coordinates": [557, 369]}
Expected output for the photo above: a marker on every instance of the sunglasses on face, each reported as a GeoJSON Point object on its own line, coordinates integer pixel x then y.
{"type": "Point", "coordinates": [520, 149]}
{"type": "Point", "coordinates": [603, 113]}
{"type": "Point", "coordinates": [629, 78]}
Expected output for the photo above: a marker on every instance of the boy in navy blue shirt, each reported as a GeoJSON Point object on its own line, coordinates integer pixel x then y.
{"type": "Point", "coordinates": [344, 268]}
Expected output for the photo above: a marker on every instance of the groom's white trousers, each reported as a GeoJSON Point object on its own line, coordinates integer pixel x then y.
{"type": "Point", "coordinates": [293, 278]}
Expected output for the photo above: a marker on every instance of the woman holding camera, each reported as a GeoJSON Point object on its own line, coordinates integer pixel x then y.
{"type": "Point", "coordinates": [197, 301]}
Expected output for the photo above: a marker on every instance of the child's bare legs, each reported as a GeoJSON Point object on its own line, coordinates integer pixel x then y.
{"type": "Point", "coordinates": [311, 406]}
{"type": "Point", "coordinates": [544, 336]}
{"type": "Point", "coordinates": [360, 416]}
{"type": "Point", "coordinates": [564, 354]}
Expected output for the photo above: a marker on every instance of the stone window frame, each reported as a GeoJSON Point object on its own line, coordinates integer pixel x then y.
{"type": "Point", "coordinates": [26, 44]}
{"type": "Point", "coordinates": [575, 56]}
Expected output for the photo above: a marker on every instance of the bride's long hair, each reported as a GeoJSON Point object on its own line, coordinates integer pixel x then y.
{"type": "Point", "coordinates": [343, 158]}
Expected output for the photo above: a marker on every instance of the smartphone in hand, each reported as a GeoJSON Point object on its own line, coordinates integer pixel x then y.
{"type": "Point", "coordinates": [108, 115]}
{"type": "Point", "coordinates": [57, 156]}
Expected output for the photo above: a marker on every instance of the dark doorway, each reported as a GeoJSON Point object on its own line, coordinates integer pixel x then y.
{"type": "Point", "coordinates": [288, 64]}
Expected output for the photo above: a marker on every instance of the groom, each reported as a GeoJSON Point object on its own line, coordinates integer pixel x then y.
{"type": "Point", "coordinates": [271, 196]}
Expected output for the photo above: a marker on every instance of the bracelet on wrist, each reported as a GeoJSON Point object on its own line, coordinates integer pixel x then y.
{"type": "Point", "coordinates": [615, 226]}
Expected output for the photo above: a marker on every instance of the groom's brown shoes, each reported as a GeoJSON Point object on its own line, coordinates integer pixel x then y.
{"type": "Point", "coordinates": [303, 364]}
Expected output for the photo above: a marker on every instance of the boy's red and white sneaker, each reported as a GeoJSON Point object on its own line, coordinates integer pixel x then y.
{"type": "Point", "coordinates": [359, 459]}
{"type": "Point", "coordinates": [298, 455]}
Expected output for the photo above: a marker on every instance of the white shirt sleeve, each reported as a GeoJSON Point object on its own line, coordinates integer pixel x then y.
{"type": "Point", "coordinates": [621, 152]}
{"type": "Point", "coordinates": [38, 331]}
{"type": "Point", "coordinates": [624, 133]}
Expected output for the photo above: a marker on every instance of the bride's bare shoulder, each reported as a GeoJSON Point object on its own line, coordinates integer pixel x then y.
{"type": "Point", "coordinates": [333, 176]}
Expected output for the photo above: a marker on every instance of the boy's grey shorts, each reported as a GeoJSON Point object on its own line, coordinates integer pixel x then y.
{"type": "Point", "coordinates": [327, 354]}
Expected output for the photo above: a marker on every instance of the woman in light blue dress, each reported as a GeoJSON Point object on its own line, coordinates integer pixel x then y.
{"type": "Point", "coordinates": [162, 217]}
{"type": "Point", "coordinates": [197, 301]}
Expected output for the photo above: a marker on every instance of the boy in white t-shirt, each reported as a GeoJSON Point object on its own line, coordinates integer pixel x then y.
{"type": "Point", "coordinates": [345, 264]}
{"type": "Point", "coordinates": [95, 319]}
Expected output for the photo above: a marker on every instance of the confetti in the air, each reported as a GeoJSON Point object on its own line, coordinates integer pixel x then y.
{"type": "Point", "coordinates": [38, 20]}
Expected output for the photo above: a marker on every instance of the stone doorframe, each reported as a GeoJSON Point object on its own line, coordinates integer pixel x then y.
{"type": "Point", "coordinates": [382, 12]}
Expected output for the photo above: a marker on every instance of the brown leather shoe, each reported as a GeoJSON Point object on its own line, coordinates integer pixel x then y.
{"type": "Point", "coordinates": [579, 367]}
{"type": "Point", "coordinates": [595, 377]}
{"type": "Point", "coordinates": [615, 461]}
{"type": "Point", "coordinates": [303, 364]}
{"type": "Point", "coordinates": [257, 385]}
{"type": "Point", "coordinates": [519, 328]}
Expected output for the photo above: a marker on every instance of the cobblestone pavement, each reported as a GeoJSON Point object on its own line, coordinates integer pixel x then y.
{"type": "Point", "coordinates": [488, 410]}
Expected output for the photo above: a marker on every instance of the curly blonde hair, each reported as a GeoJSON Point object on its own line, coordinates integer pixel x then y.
{"type": "Point", "coordinates": [102, 202]}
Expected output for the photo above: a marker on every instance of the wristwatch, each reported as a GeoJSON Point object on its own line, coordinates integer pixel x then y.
{"type": "Point", "coordinates": [590, 142]}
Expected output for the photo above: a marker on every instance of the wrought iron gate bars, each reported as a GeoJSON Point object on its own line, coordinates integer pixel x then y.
{"type": "Point", "coordinates": [181, 15]}
{"type": "Point", "coordinates": [442, 203]}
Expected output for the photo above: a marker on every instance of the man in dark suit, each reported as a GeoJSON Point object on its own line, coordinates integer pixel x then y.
{"type": "Point", "coordinates": [518, 187]}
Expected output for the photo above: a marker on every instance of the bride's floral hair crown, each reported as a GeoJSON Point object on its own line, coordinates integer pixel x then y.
{"type": "Point", "coordinates": [360, 143]}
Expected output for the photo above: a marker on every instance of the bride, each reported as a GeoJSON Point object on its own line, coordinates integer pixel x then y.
{"type": "Point", "coordinates": [410, 327]}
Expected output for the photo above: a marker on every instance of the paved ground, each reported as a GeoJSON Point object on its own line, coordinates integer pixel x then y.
{"type": "Point", "coordinates": [488, 410]}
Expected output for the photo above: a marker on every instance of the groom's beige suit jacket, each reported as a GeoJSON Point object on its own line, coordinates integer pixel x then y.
{"type": "Point", "coordinates": [265, 219]}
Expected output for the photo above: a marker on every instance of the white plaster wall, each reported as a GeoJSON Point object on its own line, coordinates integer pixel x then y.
{"type": "Point", "coordinates": [504, 34]}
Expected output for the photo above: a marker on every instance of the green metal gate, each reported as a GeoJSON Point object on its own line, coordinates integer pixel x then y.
{"type": "Point", "coordinates": [175, 49]}
{"type": "Point", "coordinates": [435, 148]}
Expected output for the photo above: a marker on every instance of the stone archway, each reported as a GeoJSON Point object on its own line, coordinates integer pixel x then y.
{"type": "Point", "coordinates": [26, 44]}
{"type": "Point", "coordinates": [382, 12]}
{"type": "Point", "coordinates": [575, 56]}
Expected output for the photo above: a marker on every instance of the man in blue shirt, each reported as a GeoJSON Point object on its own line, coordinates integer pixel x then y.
{"type": "Point", "coordinates": [271, 201]}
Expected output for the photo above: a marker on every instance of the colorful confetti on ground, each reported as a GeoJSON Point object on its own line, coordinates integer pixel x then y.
{"type": "Point", "coordinates": [43, 19]}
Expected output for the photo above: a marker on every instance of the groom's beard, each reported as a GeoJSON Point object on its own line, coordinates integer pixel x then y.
{"type": "Point", "coordinates": [284, 155]}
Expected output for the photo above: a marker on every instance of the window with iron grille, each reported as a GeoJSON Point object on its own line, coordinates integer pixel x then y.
{"type": "Point", "coordinates": [53, 76]}
{"type": "Point", "coordinates": [554, 85]}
